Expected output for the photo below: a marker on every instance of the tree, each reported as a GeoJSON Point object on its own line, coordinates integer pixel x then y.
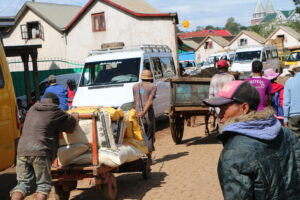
{"type": "Point", "coordinates": [232, 26]}
{"type": "Point", "coordinates": [297, 4]}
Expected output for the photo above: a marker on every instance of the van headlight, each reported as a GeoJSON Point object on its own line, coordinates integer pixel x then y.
{"type": "Point", "coordinates": [127, 106]}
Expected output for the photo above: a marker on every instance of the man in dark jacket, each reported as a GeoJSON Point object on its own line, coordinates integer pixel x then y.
{"type": "Point", "coordinates": [260, 159]}
{"type": "Point", "coordinates": [38, 146]}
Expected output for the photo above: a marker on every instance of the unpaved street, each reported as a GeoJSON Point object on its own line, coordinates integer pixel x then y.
{"type": "Point", "coordinates": [185, 171]}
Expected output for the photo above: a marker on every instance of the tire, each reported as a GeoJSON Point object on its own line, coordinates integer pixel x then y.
{"type": "Point", "coordinates": [60, 194]}
{"type": "Point", "coordinates": [146, 170]}
{"type": "Point", "coordinates": [110, 189]}
{"type": "Point", "coordinates": [177, 128]}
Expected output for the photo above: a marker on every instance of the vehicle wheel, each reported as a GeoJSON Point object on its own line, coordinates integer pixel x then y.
{"type": "Point", "coordinates": [60, 194]}
{"type": "Point", "coordinates": [177, 128]}
{"type": "Point", "coordinates": [146, 170]}
{"type": "Point", "coordinates": [110, 189]}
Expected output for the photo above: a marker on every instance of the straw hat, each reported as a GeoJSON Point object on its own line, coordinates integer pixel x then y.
{"type": "Point", "coordinates": [146, 75]}
{"type": "Point", "coordinates": [293, 67]}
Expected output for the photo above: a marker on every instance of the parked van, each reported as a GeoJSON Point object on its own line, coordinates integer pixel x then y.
{"type": "Point", "coordinates": [244, 57]}
{"type": "Point", "coordinates": [9, 126]}
{"type": "Point", "coordinates": [109, 75]}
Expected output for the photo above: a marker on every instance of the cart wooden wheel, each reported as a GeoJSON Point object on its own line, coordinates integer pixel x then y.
{"type": "Point", "coordinates": [146, 170]}
{"type": "Point", "coordinates": [60, 194]}
{"type": "Point", "coordinates": [110, 189]}
{"type": "Point", "coordinates": [62, 191]}
{"type": "Point", "coordinates": [177, 128]}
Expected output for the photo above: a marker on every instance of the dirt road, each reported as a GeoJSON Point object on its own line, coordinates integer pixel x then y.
{"type": "Point", "coordinates": [185, 171]}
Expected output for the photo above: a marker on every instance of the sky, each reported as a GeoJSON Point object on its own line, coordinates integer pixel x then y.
{"type": "Point", "coordinates": [197, 12]}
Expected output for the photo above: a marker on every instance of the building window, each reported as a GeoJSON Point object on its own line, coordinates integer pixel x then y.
{"type": "Point", "coordinates": [208, 45]}
{"type": "Point", "coordinates": [98, 21]}
{"type": "Point", "coordinates": [32, 30]}
{"type": "Point", "coordinates": [243, 42]}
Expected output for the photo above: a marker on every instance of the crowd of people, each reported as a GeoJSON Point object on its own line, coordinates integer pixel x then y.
{"type": "Point", "coordinates": [260, 123]}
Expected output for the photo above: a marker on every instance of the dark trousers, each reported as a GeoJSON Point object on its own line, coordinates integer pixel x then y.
{"type": "Point", "coordinates": [294, 124]}
{"type": "Point", "coordinates": [149, 126]}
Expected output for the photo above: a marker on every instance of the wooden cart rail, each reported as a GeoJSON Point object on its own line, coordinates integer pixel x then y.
{"type": "Point", "coordinates": [187, 98]}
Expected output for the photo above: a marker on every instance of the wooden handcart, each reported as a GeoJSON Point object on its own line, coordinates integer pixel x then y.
{"type": "Point", "coordinates": [186, 101]}
{"type": "Point", "coordinates": [65, 179]}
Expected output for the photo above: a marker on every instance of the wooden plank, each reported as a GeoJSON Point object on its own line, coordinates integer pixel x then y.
{"type": "Point", "coordinates": [190, 79]}
{"type": "Point", "coordinates": [191, 108]}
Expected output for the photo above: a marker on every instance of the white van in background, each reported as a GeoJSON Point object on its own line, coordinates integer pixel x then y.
{"type": "Point", "coordinates": [244, 57]}
{"type": "Point", "coordinates": [109, 75]}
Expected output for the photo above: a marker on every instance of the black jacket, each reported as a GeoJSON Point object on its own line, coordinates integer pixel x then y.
{"type": "Point", "coordinates": [43, 123]}
{"type": "Point", "coordinates": [251, 167]}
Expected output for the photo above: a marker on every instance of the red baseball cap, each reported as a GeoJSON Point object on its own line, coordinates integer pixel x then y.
{"type": "Point", "coordinates": [235, 91]}
{"type": "Point", "coordinates": [222, 64]}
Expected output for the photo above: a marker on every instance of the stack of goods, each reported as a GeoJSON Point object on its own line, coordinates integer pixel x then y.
{"type": "Point", "coordinates": [119, 138]}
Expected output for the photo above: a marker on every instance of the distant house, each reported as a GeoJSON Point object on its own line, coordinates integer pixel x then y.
{"type": "Point", "coordinates": [45, 24]}
{"type": "Point", "coordinates": [246, 38]}
{"type": "Point", "coordinates": [285, 37]}
{"type": "Point", "coordinates": [210, 45]}
{"type": "Point", "coordinates": [68, 33]}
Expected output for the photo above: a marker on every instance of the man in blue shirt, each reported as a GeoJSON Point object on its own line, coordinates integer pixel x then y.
{"type": "Point", "coordinates": [291, 102]}
{"type": "Point", "coordinates": [59, 90]}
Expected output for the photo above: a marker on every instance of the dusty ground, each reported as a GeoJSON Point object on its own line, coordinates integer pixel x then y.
{"type": "Point", "coordinates": [185, 171]}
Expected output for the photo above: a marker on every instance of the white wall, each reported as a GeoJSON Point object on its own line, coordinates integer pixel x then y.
{"type": "Point", "coordinates": [53, 45]}
{"type": "Point", "coordinates": [289, 41]}
{"type": "Point", "coordinates": [201, 54]}
{"type": "Point", "coordinates": [120, 27]}
{"type": "Point", "coordinates": [250, 42]}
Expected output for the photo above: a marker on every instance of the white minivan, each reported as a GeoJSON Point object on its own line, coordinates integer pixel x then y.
{"type": "Point", "coordinates": [109, 75]}
{"type": "Point", "coordinates": [244, 57]}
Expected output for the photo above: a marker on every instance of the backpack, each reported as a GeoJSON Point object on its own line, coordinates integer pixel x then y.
{"type": "Point", "coordinates": [276, 104]}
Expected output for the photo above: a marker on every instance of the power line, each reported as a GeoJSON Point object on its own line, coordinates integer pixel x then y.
{"type": "Point", "coordinates": [8, 6]}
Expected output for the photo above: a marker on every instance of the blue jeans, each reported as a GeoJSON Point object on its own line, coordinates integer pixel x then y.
{"type": "Point", "coordinates": [33, 171]}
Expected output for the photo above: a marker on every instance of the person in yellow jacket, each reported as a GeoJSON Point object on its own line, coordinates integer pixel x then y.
{"type": "Point", "coordinates": [144, 94]}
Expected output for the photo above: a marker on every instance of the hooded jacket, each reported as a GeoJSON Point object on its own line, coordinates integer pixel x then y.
{"type": "Point", "coordinates": [260, 159]}
{"type": "Point", "coordinates": [44, 121]}
{"type": "Point", "coordinates": [278, 87]}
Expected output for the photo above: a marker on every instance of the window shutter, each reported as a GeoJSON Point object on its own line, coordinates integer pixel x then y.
{"type": "Point", "coordinates": [24, 32]}
{"type": "Point", "coordinates": [41, 29]}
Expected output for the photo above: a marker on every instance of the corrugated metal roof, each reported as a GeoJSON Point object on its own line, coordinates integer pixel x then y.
{"type": "Point", "coordinates": [269, 17]}
{"type": "Point", "coordinates": [251, 34]}
{"type": "Point", "coordinates": [220, 40]}
{"type": "Point", "coordinates": [190, 43]}
{"type": "Point", "coordinates": [259, 7]}
{"type": "Point", "coordinates": [287, 13]}
{"type": "Point", "coordinates": [204, 33]}
{"type": "Point", "coordinates": [291, 31]}
{"type": "Point", "coordinates": [139, 6]}
{"type": "Point", "coordinates": [58, 15]}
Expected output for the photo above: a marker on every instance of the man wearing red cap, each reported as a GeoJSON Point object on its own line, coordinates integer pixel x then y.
{"type": "Point", "coordinates": [260, 158]}
{"type": "Point", "coordinates": [218, 81]}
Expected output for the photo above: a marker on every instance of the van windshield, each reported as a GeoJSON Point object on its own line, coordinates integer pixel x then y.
{"type": "Point", "coordinates": [294, 56]}
{"type": "Point", "coordinates": [111, 72]}
{"type": "Point", "coordinates": [247, 56]}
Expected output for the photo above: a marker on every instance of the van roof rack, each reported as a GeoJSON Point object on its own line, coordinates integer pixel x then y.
{"type": "Point", "coordinates": [144, 47]}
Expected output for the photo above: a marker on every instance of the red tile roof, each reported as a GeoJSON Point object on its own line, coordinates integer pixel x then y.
{"type": "Point", "coordinates": [90, 2]}
{"type": "Point", "coordinates": [204, 33]}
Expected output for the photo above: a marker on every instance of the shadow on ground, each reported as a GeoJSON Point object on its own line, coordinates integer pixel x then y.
{"type": "Point", "coordinates": [8, 181]}
{"type": "Point", "coordinates": [210, 139]}
{"type": "Point", "coordinates": [171, 157]}
{"type": "Point", "coordinates": [130, 186]}
{"type": "Point", "coordinates": [162, 123]}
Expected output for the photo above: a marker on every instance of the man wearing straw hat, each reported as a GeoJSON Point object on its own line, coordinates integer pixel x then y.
{"type": "Point", "coordinates": [144, 94]}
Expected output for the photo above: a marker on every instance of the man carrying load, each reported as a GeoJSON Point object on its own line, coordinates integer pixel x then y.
{"type": "Point", "coordinates": [143, 94]}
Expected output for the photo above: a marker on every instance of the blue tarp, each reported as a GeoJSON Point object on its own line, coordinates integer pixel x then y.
{"type": "Point", "coordinates": [187, 56]}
